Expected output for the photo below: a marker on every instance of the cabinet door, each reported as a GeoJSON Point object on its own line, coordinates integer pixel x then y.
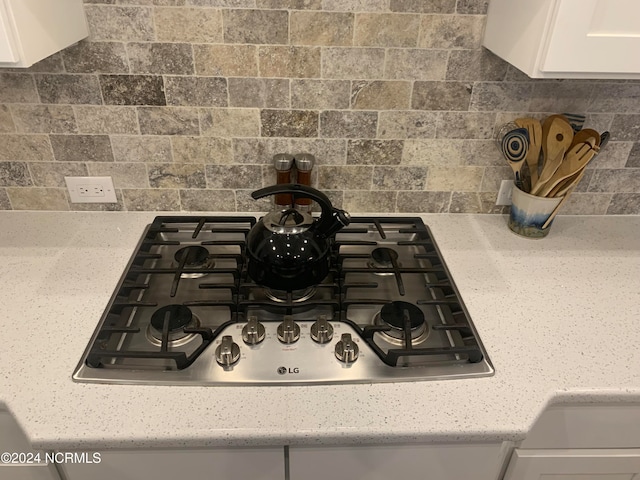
{"type": "Point", "coordinates": [13, 439]}
{"type": "Point", "coordinates": [8, 52]}
{"type": "Point", "coordinates": [241, 463]}
{"type": "Point", "coordinates": [583, 464]}
{"type": "Point", "coordinates": [442, 462]}
{"type": "Point", "coordinates": [594, 36]}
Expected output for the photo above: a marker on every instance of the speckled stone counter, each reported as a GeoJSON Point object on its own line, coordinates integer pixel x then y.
{"type": "Point", "coordinates": [558, 317]}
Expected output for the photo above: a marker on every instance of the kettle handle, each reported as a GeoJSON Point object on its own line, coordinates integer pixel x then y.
{"type": "Point", "coordinates": [331, 219]}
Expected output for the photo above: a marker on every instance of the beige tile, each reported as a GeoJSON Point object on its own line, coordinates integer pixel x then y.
{"type": "Point", "coordinates": [586, 204]}
{"type": "Point", "coordinates": [289, 61]}
{"type": "Point", "coordinates": [356, 5]}
{"type": "Point", "coordinates": [124, 175]}
{"type": "Point", "coordinates": [451, 178]}
{"type": "Point", "coordinates": [256, 26]}
{"type": "Point", "coordinates": [327, 151]}
{"type": "Point", "coordinates": [624, 204]}
{"type": "Point", "coordinates": [415, 64]}
{"type": "Point", "coordinates": [17, 88]}
{"type": "Point", "coordinates": [226, 60]}
{"type": "Point", "coordinates": [399, 178]}
{"type": "Point", "coordinates": [37, 198]}
{"type": "Point", "coordinates": [14, 174]}
{"type": "Point", "coordinates": [177, 175]}
{"type": "Point", "coordinates": [196, 25]}
{"type": "Point", "coordinates": [234, 176]}
{"type": "Point", "coordinates": [350, 177]}
{"type": "Point", "coordinates": [44, 118]}
{"type": "Point", "coordinates": [350, 63]}
{"type": "Point", "coordinates": [362, 201]}
{"type": "Point", "coordinates": [380, 95]}
{"type": "Point", "coordinates": [68, 88]}
{"type": "Point", "coordinates": [202, 150]}
{"type": "Point", "coordinates": [5, 203]}
{"type": "Point", "coordinates": [289, 123]}
{"type": "Point", "coordinates": [443, 31]}
{"type": "Point", "coordinates": [230, 122]}
{"type": "Point", "coordinates": [259, 150]}
{"type": "Point", "coordinates": [96, 57]}
{"type": "Point", "coordinates": [51, 174]}
{"type": "Point", "coordinates": [259, 92]}
{"type": "Point", "coordinates": [199, 91]}
{"type": "Point", "coordinates": [82, 148]}
{"type": "Point", "coordinates": [141, 148]}
{"type": "Point", "coordinates": [432, 6]}
{"type": "Point", "coordinates": [348, 124]}
{"type": "Point", "coordinates": [465, 125]}
{"type": "Point", "coordinates": [406, 124]}
{"type": "Point", "coordinates": [168, 121]}
{"type": "Point", "coordinates": [6, 121]}
{"type": "Point", "coordinates": [208, 200]}
{"type": "Point", "coordinates": [161, 58]}
{"type": "Point", "coordinates": [36, 148]}
{"type": "Point", "coordinates": [151, 199]}
{"type": "Point", "coordinates": [374, 152]}
{"type": "Point", "coordinates": [321, 28]}
{"type": "Point", "coordinates": [108, 22]}
{"type": "Point", "coordinates": [423, 202]}
{"type": "Point", "coordinates": [106, 119]}
{"type": "Point", "coordinates": [386, 30]}
{"type": "Point", "coordinates": [320, 94]}
{"type": "Point", "coordinates": [444, 152]}
{"type": "Point", "coordinates": [431, 95]}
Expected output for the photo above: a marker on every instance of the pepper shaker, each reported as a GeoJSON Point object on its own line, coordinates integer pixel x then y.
{"type": "Point", "coordinates": [283, 163]}
{"type": "Point", "coordinates": [304, 165]}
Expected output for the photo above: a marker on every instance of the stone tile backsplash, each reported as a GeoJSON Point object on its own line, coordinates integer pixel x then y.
{"type": "Point", "coordinates": [184, 102]}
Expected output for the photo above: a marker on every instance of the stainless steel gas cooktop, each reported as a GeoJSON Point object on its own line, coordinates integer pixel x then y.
{"type": "Point", "coordinates": [186, 312]}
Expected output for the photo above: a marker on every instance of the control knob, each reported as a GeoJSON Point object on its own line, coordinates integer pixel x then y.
{"type": "Point", "coordinates": [288, 331]}
{"type": "Point", "coordinates": [321, 330]}
{"type": "Point", "coordinates": [346, 349]}
{"type": "Point", "coordinates": [228, 352]}
{"type": "Point", "coordinates": [253, 332]}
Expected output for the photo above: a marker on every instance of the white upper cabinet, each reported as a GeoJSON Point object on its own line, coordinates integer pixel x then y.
{"type": "Point", "coordinates": [567, 38]}
{"type": "Point", "coordinates": [31, 30]}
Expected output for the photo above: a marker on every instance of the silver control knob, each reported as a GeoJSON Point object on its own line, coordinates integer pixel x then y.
{"type": "Point", "coordinates": [253, 332]}
{"type": "Point", "coordinates": [346, 349]}
{"type": "Point", "coordinates": [228, 352]}
{"type": "Point", "coordinates": [288, 331]}
{"type": "Point", "coordinates": [321, 330]}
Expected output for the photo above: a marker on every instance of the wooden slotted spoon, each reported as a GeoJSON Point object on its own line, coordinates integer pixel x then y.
{"type": "Point", "coordinates": [574, 161]}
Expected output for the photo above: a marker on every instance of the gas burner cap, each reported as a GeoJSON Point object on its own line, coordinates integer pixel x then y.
{"type": "Point", "coordinates": [179, 317]}
{"type": "Point", "coordinates": [393, 315]}
{"type": "Point", "coordinates": [383, 257]}
{"type": "Point", "coordinates": [297, 296]}
{"type": "Point", "coordinates": [196, 258]}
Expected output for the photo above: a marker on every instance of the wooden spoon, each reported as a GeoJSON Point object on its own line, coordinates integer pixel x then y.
{"type": "Point", "coordinates": [575, 160]}
{"type": "Point", "coordinates": [515, 145]}
{"type": "Point", "coordinates": [534, 128]}
{"type": "Point", "coordinates": [556, 134]}
{"type": "Point", "coordinates": [548, 170]}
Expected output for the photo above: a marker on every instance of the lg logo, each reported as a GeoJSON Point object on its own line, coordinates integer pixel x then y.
{"type": "Point", "coordinates": [285, 370]}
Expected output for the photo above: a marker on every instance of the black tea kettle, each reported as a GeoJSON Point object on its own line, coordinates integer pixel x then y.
{"type": "Point", "coordinates": [288, 249]}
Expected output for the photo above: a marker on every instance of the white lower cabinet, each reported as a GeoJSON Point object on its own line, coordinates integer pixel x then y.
{"type": "Point", "coordinates": [240, 463]}
{"type": "Point", "coordinates": [577, 464]}
{"type": "Point", "coordinates": [428, 462]}
{"type": "Point", "coordinates": [23, 461]}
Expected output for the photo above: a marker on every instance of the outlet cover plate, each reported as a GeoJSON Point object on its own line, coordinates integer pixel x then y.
{"type": "Point", "coordinates": [91, 189]}
{"type": "Point", "coordinates": [504, 194]}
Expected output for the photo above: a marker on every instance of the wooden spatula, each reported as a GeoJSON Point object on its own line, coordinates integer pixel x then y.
{"type": "Point", "coordinates": [583, 135]}
{"type": "Point", "coordinates": [574, 161]}
{"type": "Point", "coordinates": [534, 128]}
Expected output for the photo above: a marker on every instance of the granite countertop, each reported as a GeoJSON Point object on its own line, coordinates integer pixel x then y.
{"type": "Point", "coordinates": [558, 317]}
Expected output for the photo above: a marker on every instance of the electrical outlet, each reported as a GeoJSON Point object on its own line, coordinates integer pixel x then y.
{"type": "Point", "coordinates": [504, 194]}
{"type": "Point", "coordinates": [91, 189]}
